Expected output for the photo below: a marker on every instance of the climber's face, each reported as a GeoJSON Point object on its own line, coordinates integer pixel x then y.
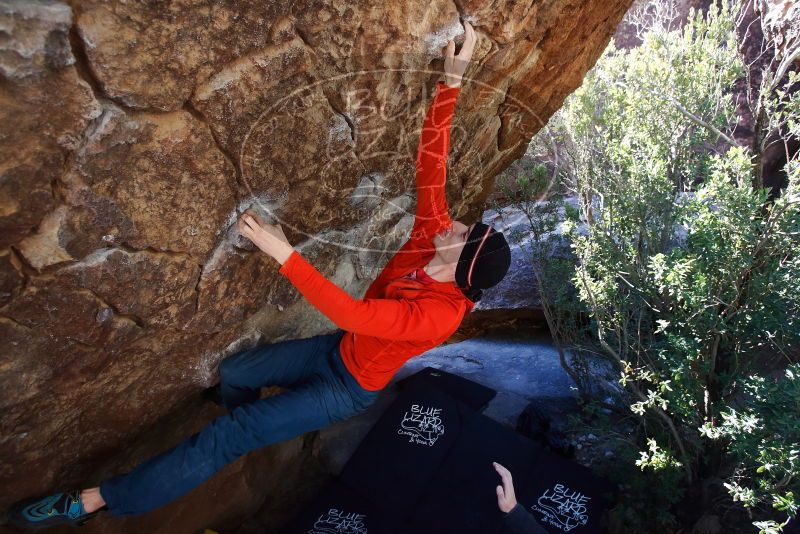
{"type": "Point", "coordinates": [449, 243]}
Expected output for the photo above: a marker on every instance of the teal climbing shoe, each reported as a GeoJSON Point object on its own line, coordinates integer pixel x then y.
{"type": "Point", "coordinates": [57, 509]}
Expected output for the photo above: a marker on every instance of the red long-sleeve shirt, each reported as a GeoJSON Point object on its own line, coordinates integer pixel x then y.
{"type": "Point", "coordinates": [400, 316]}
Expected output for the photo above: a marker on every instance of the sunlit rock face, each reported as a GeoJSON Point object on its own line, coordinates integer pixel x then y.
{"type": "Point", "coordinates": [133, 134]}
{"type": "Point", "coordinates": [780, 20]}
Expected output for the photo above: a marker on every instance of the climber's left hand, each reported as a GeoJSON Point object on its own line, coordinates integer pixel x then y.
{"type": "Point", "coordinates": [267, 237]}
{"type": "Point", "coordinates": [455, 65]}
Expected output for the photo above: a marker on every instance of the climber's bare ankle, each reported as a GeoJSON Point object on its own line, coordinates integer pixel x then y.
{"type": "Point", "coordinates": [92, 500]}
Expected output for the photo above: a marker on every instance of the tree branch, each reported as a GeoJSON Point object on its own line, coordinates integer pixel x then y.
{"type": "Point", "coordinates": [686, 113]}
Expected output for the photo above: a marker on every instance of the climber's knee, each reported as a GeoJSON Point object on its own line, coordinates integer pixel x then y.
{"type": "Point", "coordinates": [229, 371]}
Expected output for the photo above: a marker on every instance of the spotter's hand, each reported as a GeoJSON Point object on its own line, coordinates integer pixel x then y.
{"type": "Point", "coordinates": [506, 500]}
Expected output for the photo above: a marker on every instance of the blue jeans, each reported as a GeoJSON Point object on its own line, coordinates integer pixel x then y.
{"type": "Point", "coordinates": [322, 392]}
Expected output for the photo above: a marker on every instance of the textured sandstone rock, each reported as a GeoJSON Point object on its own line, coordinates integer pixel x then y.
{"type": "Point", "coordinates": [158, 288]}
{"type": "Point", "coordinates": [780, 20]}
{"type": "Point", "coordinates": [45, 108]}
{"type": "Point", "coordinates": [152, 181]}
{"type": "Point", "coordinates": [10, 277]}
{"type": "Point", "coordinates": [134, 133]}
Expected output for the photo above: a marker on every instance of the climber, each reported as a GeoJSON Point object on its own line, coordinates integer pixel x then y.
{"type": "Point", "coordinates": [416, 303]}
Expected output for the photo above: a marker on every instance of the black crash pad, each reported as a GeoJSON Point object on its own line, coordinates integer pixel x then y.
{"type": "Point", "coordinates": [396, 460]}
{"type": "Point", "coordinates": [564, 496]}
{"type": "Point", "coordinates": [426, 467]}
{"type": "Point", "coordinates": [340, 510]}
{"type": "Point", "coordinates": [461, 495]}
{"type": "Point", "coordinates": [474, 395]}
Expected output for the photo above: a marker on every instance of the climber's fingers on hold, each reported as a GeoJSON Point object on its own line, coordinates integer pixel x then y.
{"type": "Point", "coordinates": [451, 50]}
{"type": "Point", "coordinates": [248, 224]}
{"type": "Point", "coordinates": [469, 31]}
{"type": "Point", "coordinates": [469, 43]}
{"type": "Point", "coordinates": [246, 232]}
{"type": "Point", "coordinates": [254, 216]}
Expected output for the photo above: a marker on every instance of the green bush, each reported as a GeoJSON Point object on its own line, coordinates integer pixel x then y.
{"type": "Point", "coordinates": [686, 266]}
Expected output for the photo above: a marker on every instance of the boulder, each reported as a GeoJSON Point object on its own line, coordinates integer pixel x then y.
{"type": "Point", "coordinates": [780, 21]}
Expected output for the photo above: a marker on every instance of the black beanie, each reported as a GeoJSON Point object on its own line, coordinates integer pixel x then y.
{"type": "Point", "coordinates": [483, 262]}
